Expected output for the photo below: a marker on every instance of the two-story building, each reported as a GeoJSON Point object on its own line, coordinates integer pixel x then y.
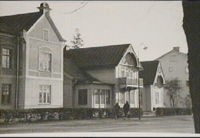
{"type": "Point", "coordinates": [99, 77]}
{"type": "Point", "coordinates": [153, 95]}
{"type": "Point", "coordinates": [31, 61]}
{"type": "Point", "coordinates": [175, 66]}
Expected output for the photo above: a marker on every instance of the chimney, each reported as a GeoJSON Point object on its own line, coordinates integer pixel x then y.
{"type": "Point", "coordinates": [44, 8]}
{"type": "Point", "coordinates": [176, 49]}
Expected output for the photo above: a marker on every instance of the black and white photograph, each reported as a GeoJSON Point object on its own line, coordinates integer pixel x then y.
{"type": "Point", "coordinates": [100, 68]}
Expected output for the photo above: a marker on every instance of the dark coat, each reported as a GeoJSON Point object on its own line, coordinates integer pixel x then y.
{"type": "Point", "coordinates": [126, 107]}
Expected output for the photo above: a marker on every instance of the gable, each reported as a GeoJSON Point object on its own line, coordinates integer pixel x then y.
{"type": "Point", "coordinates": [174, 65]}
{"type": "Point", "coordinates": [129, 57]}
{"type": "Point", "coordinates": [47, 25]}
{"type": "Point", "coordinates": [159, 73]}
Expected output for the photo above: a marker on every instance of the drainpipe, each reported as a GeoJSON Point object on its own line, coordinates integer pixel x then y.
{"type": "Point", "coordinates": [17, 73]}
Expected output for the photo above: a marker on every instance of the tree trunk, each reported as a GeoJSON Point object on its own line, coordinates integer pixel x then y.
{"type": "Point", "coordinates": [191, 26]}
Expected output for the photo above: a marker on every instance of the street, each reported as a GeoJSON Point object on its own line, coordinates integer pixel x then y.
{"type": "Point", "coordinates": [169, 124]}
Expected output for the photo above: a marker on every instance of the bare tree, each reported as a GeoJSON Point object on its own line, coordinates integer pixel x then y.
{"type": "Point", "coordinates": [191, 26]}
{"type": "Point", "coordinates": [77, 41]}
{"type": "Point", "coordinates": [173, 88]}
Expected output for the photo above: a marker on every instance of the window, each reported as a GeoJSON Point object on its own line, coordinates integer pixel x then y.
{"type": "Point", "coordinates": [107, 96]}
{"type": "Point", "coordinates": [102, 95]}
{"type": "Point", "coordinates": [45, 94]}
{"type": "Point", "coordinates": [122, 71]}
{"type": "Point", "coordinates": [45, 62]}
{"type": "Point", "coordinates": [122, 97]}
{"type": "Point", "coordinates": [45, 35]}
{"type": "Point", "coordinates": [157, 98]}
{"type": "Point", "coordinates": [159, 81]}
{"type": "Point", "coordinates": [82, 96]}
{"type": "Point", "coordinates": [132, 97]}
{"type": "Point", "coordinates": [6, 58]}
{"type": "Point", "coordinates": [97, 96]}
{"type": "Point", "coordinates": [6, 90]}
{"type": "Point", "coordinates": [103, 92]}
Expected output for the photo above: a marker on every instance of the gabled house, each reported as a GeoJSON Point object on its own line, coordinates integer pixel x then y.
{"type": "Point", "coordinates": [153, 91]}
{"type": "Point", "coordinates": [175, 66]}
{"type": "Point", "coordinates": [99, 77]}
{"type": "Point", "coordinates": [31, 57]}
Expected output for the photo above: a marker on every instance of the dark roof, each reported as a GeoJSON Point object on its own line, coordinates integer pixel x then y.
{"type": "Point", "coordinates": [15, 23]}
{"type": "Point", "coordinates": [96, 57]}
{"type": "Point", "coordinates": [81, 76]}
{"type": "Point", "coordinates": [149, 72]}
{"type": "Point", "coordinates": [71, 69]}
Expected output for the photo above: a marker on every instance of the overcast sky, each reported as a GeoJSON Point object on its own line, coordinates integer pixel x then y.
{"type": "Point", "coordinates": [153, 24]}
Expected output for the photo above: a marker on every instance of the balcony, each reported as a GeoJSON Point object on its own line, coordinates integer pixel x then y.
{"type": "Point", "coordinates": [131, 83]}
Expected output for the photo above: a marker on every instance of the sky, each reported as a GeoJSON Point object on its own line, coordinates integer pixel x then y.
{"type": "Point", "coordinates": [153, 24]}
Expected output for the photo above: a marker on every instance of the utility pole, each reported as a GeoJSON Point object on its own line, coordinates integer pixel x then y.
{"type": "Point", "coordinates": [139, 117]}
{"type": "Point", "coordinates": [139, 96]}
{"type": "Point", "coordinates": [139, 93]}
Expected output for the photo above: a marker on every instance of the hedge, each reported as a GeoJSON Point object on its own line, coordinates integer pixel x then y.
{"type": "Point", "coordinates": [173, 111]}
{"type": "Point", "coordinates": [32, 115]}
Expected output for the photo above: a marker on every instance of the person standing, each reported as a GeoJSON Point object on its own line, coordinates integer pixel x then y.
{"type": "Point", "coordinates": [126, 108]}
{"type": "Point", "coordinates": [116, 110]}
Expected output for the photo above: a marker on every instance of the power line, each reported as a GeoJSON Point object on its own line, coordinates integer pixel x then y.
{"type": "Point", "coordinates": [75, 10]}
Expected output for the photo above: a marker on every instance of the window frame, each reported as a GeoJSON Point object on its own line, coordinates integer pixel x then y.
{"type": "Point", "coordinates": [81, 97]}
{"type": "Point", "coordinates": [7, 56]}
{"type": "Point", "coordinates": [132, 97]}
{"type": "Point", "coordinates": [8, 95]}
{"type": "Point", "coordinates": [102, 96]}
{"type": "Point", "coordinates": [45, 96]}
{"type": "Point", "coordinates": [108, 97]}
{"type": "Point", "coordinates": [40, 60]}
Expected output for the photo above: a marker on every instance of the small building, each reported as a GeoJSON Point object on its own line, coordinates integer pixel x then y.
{"type": "Point", "coordinates": [99, 77]}
{"type": "Point", "coordinates": [31, 61]}
{"type": "Point", "coordinates": [153, 91]}
{"type": "Point", "coordinates": [175, 66]}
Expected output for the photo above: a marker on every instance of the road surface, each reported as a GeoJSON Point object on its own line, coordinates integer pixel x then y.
{"type": "Point", "coordinates": [169, 124]}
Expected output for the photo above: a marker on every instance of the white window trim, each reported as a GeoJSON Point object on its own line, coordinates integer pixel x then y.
{"type": "Point", "coordinates": [100, 97]}
{"type": "Point", "coordinates": [42, 103]}
{"type": "Point", "coordinates": [47, 52]}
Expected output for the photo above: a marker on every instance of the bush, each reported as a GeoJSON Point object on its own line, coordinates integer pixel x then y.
{"type": "Point", "coordinates": [173, 111]}
{"type": "Point", "coordinates": [31, 115]}
{"type": "Point", "coordinates": [134, 112]}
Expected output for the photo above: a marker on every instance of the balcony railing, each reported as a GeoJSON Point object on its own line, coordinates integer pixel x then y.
{"type": "Point", "coordinates": [126, 82]}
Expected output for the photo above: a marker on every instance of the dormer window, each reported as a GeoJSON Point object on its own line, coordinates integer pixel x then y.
{"type": "Point", "coordinates": [45, 35]}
